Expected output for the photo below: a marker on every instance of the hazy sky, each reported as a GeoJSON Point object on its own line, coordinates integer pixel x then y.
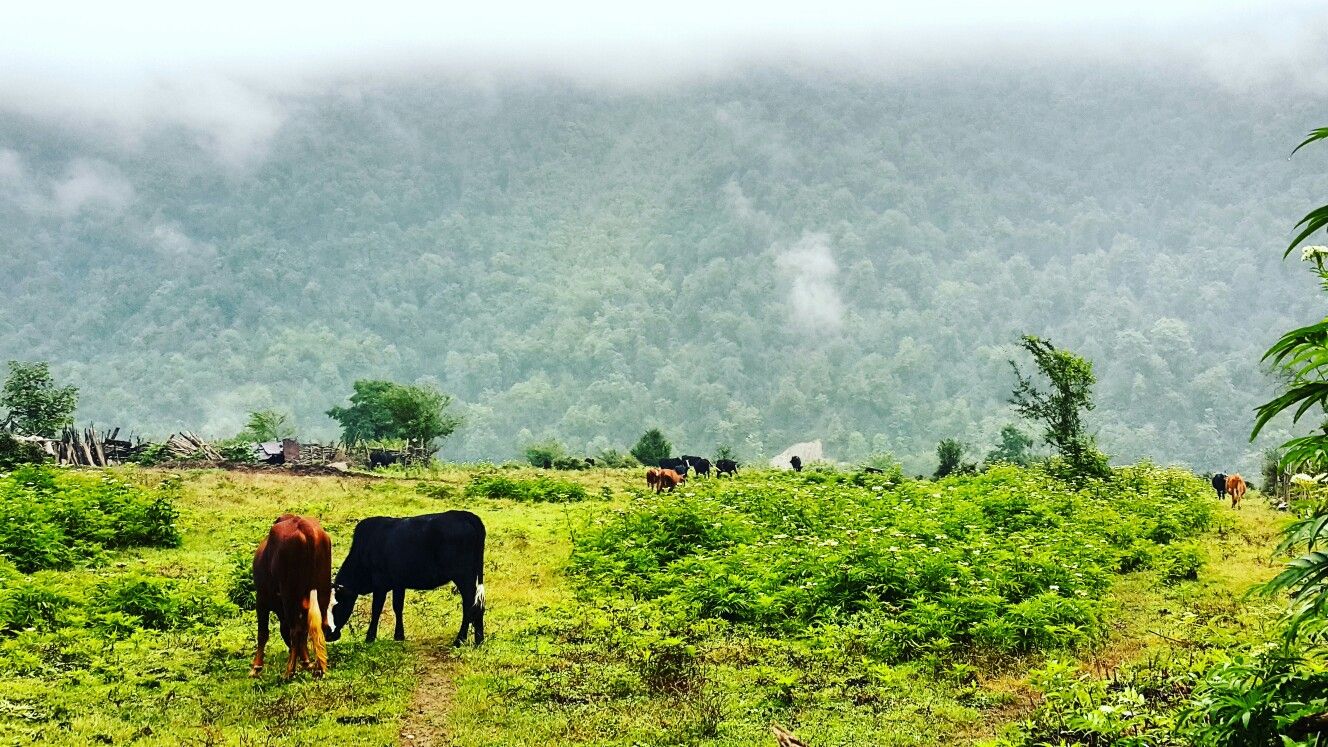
{"type": "Point", "coordinates": [93, 37]}
{"type": "Point", "coordinates": [225, 70]}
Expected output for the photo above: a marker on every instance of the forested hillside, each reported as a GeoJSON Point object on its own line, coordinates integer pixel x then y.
{"type": "Point", "coordinates": [751, 260]}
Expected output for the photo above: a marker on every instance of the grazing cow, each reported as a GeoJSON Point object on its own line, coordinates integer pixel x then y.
{"type": "Point", "coordinates": [668, 480]}
{"type": "Point", "coordinates": [699, 465]}
{"type": "Point", "coordinates": [590, 461]}
{"type": "Point", "coordinates": [382, 458]}
{"type": "Point", "coordinates": [873, 470]}
{"type": "Point", "coordinates": [796, 463]}
{"type": "Point", "coordinates": [419, 552]}
{"type": "Point", "coordinates": [675, 464]}
{"type": "Point", "coordinates": [1236, 489]}
{"type": "Point", "coordinates": [726, 467]}
{"type": "Point", "coordinates": [1220, 485]}
{"type": "Point", "coordinates": [293, 578]}
{"type": "Point", "coordinates": [652, 479]}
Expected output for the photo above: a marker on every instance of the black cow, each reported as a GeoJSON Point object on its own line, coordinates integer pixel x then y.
{"type": "Point", "coordinates": [418, 552]}
{"type": "Point", "coordinates": [382, 458]}
{"type": "Point", "coordinates": [873, 470]}
{"type": "Point", "coordinates": [726, 467]}
{"type": "Point", "coordinates": [675, 464]}
{"type": "Point", "coordinates": [796, 463]}
{"type": "Point", "coordinates": [1220, 485]}
{"type": "Point", "coordinates": [699, 465]}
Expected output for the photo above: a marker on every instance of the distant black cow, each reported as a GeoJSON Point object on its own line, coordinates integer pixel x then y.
{"type": "Point", "coordinates": [419, 552]}
{"type": "Point", "coordinates": [1220, 485]}
{"type": "Point", "coordinates": [796, 463]}
{"type": "Point", "coordinates": [382, 458]}
{"type": "Point", "coordinates": [699, 465]}
{"type": "Point", "coordinates": [590, 461]}
{"type": "Point", "coordinates": [675, 464]}
{"type": "Point", "coordinates": [873, 470]}
{"type": "Point", "coordinates": [726, 467]}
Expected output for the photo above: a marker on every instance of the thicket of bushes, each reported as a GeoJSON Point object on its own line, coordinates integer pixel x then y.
{"type": "Point", "coordinates": [538, 490]}
{"type": "Point", "coordinates": [52, 518]}
{"type": "Point", "coordinates": [1011, 560]}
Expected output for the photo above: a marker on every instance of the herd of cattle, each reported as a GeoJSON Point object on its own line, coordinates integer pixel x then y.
{"type": "Point", "coordinates": [672, 471]}
{"type": "Point", "coordinates": [1232, 486]}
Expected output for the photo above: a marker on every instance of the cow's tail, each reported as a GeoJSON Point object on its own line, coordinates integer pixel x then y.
{"type": "Point", "coordinates": [317, 641]}
{"type": "Point", "coordinates": [479, 577]}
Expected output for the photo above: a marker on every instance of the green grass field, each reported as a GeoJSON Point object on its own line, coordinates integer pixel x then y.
{"type": "Point", "coordinates": [621, 647]}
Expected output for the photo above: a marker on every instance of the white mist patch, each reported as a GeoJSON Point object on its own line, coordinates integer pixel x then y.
{"type": "Point", "coordinates": [810, 268]}
{"type": "Point", "coordinates": [87, 183]}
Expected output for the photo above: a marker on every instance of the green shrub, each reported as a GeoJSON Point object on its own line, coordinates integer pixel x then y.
{"type": "Point", "coordinates": [539, 490]}
{"type": "Point", "coordinates": [25, 603]}
{"type": "Point", "coordinates": [240, 581]}
{"type": "Point", "coordinates": [1012, 559]}
{"type": "Point", "coordinates": [51, 518]}
{"type": "Point", "coordinates": [156, 603]}
{"type": "Point", "coordinates": [15, 453]}
{"type": "Point", "coordinates": [1180, 562]}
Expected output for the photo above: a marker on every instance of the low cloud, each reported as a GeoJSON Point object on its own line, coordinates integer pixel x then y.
{"type": "Point", "coordinates": [810, 268]}
{"type": "Point", "coordinates": [89, 183]}
{"type": "Point", "coordinates": [85, 184]}
{"type": "Point", "coordinates": [169, 239]}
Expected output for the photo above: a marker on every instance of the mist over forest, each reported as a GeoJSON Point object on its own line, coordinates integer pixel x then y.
{"type": "Point", "coordinates": [751, 259]}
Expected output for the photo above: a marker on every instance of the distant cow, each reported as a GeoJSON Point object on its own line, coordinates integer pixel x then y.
{"type": "Point", "coordinates": [726, 467]}
{"type": "Point", "coordinates": [293, 578]}
{"type": "Point", "coordinates": [383, 458]}
{"type": "Point", "coordinates": [873, 470]}
{"type": "Point", "coordinates": [675, 464]}
{"type": "Point", "coordinates": [796, 463]}
{"type": "Point", "coordinates": [419, 552]}
{"type": "Point", "coordinates": [668, 480]}
{"type": "Point", "coordinates": [1236, 489]}
{"type": "Point", "coordinates": [1220, 485]}
{"type": "Point", "coordinates": [699, 465]}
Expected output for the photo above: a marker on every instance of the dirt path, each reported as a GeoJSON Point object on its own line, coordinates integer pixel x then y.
{"type": "Point", "coordinates": [424, 724]}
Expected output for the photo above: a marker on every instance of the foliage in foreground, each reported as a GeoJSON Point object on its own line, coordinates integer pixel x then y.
{"type": "Point", "coordinates": [1012, 560]}
{"type": "Point", "coordinates": [51, 518]}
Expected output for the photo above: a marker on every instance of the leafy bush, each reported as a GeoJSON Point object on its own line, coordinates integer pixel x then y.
{"type": "Point", "coordinates": [1012, 559]}
{"type": "Point", "coordinates": [1181, 562]}
{"type": "Point", "coordinates": [240, 581]}
{"type": "Point", "coordinates": [15, 453]}
{"type": "Point", "coordinates": [539, 490]}
{"type": "Point", "coordinates": [615, 459]}
{"type": "Point", "coordinates": [551, 454]}
{"type": "Point", "coordinates": [51, 518]}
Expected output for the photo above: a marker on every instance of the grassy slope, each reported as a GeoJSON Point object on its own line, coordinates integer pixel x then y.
{"type": "Point", "coordinates": [166, 688]}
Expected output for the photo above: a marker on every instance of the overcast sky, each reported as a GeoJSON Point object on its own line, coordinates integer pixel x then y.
{"type": "Point", "coordinates": [97, 38]}
{"type": "Point", "coordinates": [225, 70]}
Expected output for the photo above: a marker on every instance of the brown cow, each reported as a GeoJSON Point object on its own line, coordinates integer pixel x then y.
{"type": "Point", "coordinates": [1235, 489]}
{"type": "Point", "coordinates": [668, 480]}
{"type": "Point", "coordinates": [652, 479]}
{"type": "Point", "coordinates": [293, 578]}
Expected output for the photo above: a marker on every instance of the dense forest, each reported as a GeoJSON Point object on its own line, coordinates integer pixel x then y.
{"type": "Point", "coordinates": [752, 260]}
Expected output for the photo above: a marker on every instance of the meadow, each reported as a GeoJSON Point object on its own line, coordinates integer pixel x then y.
{"type": "Point", "coordinates": [855, 608]}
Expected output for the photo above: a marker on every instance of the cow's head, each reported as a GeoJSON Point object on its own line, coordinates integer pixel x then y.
{"type": "Point", "coordinates": [343, 604]}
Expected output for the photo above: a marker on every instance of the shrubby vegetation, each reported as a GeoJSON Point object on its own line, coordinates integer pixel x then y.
{"type": "Point", "coordinates": [53, 518]}
{"type": "Point", "coordinates": [538, 490]}
{"type": "Point", "coordinates": [33, 403]}
{"type": "Point", "coordinates": [1011, 560]}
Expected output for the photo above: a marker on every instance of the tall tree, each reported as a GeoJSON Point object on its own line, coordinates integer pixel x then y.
{"type": "Point", "coordinates": [1013, 448]}
{"type": "Point", "coordinates": [1060, 407]}
{"type": "Point", "coordinates": [267, 425]}
{"type": "Point", "coordinates": [652, 447]}
{"type": "Point", "coordinates": [36, 406]}
{"type": "Point", "coordinates": [387, 410]}
{"type": "Point", "coordinates": [950, 454]}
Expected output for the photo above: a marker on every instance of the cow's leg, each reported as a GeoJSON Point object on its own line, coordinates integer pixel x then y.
{"type": "Point", "coordinates": [257, 665]}
{"type": "Point", "coordinates": [467, 590]}
{"type": "Point", "coordinates": [398, 608]}
{"type": "Point", "coordinates": [379, 598]}
{"type": "Point", "coordinates": [297, 626]}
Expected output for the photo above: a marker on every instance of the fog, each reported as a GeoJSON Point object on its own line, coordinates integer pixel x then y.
{"type": "Point", "coordinates": [227, 75]}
